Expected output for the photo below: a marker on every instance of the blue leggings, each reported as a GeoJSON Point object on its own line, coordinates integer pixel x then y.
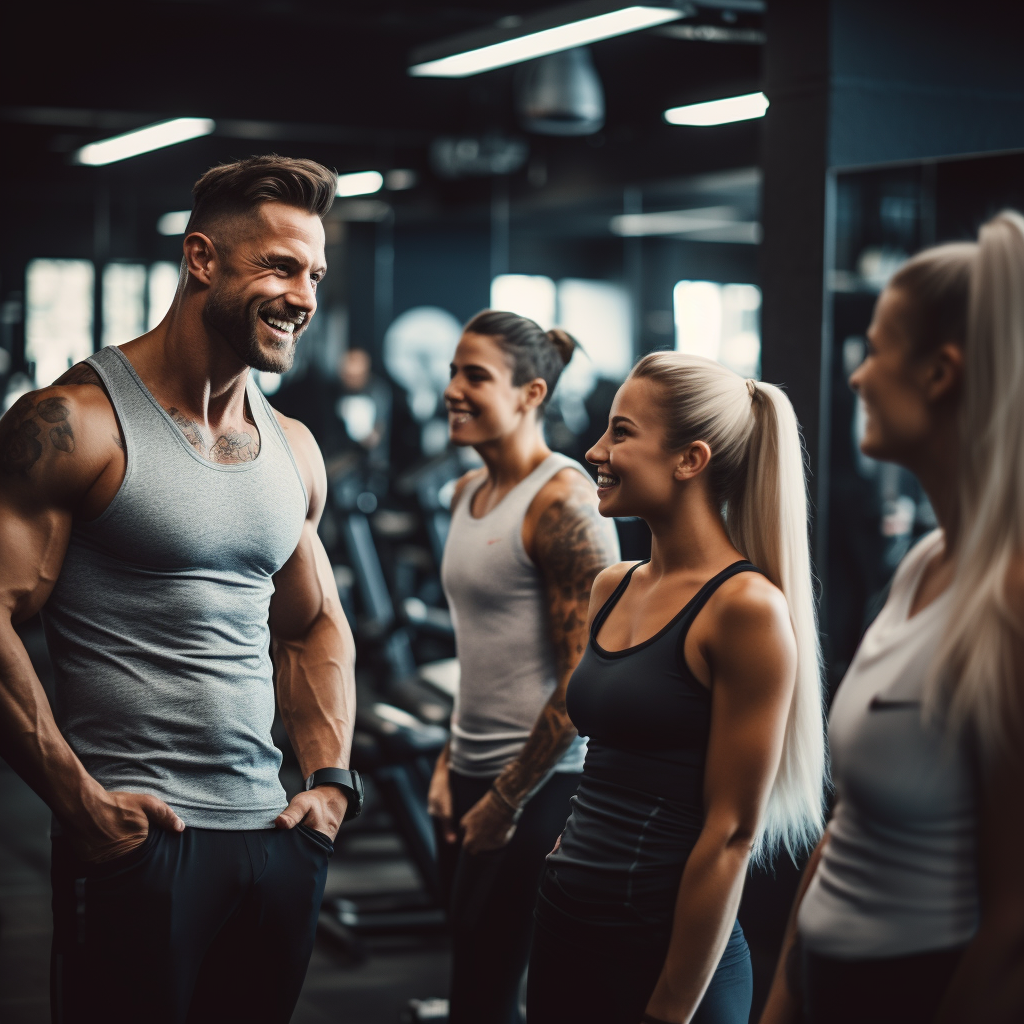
{"type": "Point", "coordinates": [605, 975]}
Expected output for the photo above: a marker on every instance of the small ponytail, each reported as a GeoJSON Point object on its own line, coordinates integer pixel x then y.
{"type": "Point", "coordinates": [756, 476]}
{"type": "Point", "coordinates": [565, 344]}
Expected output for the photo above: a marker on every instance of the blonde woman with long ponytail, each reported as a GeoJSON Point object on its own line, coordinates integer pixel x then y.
{"type": "Point", "coordinates": [700, 693]}
{"type": "Point", "coordinates": [912, 907]}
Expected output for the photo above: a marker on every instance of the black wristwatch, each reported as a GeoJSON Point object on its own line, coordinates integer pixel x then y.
{"type": "Point", "coordinates": [348, 782]}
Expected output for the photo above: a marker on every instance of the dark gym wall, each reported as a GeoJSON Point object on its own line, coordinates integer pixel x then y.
{"type": "Point", "coordinates": [853, 83]}
{"type": "Point", "coordinates": [442, 266]}
{"type": "Point", "coordinates": [857, 82]}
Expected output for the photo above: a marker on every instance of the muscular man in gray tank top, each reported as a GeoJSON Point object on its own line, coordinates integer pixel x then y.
{"type": "Point", "coordinates": [162, 518]}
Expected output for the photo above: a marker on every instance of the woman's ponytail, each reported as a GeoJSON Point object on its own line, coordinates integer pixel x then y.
{"type": "Point", "coordinates": [757, 477]}
{"type": "Point", "coordinates": [976, 685]}
{"type": "Point", "coordinates": [766, 517]}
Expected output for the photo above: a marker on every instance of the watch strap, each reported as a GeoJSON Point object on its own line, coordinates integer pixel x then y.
{"type": "Point", "coordinates": [344, 779]}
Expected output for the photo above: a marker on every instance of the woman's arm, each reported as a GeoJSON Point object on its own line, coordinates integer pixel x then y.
{"type": "Point", "coordinates": [751, 652]}
{"type": "Point", "coordinates": [784, 1005]}
{"type": "Point", "coordinates": [570, 545]}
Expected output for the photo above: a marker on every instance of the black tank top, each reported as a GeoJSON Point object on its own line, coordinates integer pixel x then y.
{"type": "Point", "coordinates": [640, 804]}
{"type": "Point", "coordinates": [647, 715]}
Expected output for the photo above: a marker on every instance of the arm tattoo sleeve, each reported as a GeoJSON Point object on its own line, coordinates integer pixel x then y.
{"type": "Point", "coordinates": [573, 547]}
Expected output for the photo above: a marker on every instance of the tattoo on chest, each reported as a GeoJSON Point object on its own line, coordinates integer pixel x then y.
{"type": "Point", "coordinates": [231, 446]}
{"type": "Point", "coordinates": [29, 427]}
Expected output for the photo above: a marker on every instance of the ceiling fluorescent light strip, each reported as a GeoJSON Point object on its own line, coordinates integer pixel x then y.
{"type": "Point", "coordinates": [530, 44]}
{"type": "Point", "coordinates": [672, 222]}
{"type": "Point", "coordinates": [143, 140]}
{"type": "Point", "coordinates": [733, 108]}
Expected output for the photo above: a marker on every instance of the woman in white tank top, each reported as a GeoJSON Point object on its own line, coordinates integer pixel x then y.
{"type": "Point", "coordinates": [912, 906]}
{"type": "Point", "coordinates": [525, 544]}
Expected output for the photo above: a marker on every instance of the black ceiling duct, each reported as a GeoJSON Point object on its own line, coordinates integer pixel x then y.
{"type": "Point", "coordinates": [561, 94]}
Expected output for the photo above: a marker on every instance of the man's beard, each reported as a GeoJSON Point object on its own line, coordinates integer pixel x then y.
{"type": "Point", "coordinates": [239, 325]}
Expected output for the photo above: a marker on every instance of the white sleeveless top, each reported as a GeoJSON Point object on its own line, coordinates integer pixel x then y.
{"type": "Point", "coordinates": [899, 874]}
{"type": "Point", "coordinates": [499, 610]}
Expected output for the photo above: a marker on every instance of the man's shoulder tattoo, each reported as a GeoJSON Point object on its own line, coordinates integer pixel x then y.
{"type": "Point", "coordinates": [32, 424]}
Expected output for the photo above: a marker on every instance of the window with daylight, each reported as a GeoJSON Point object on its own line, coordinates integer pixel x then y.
{"type": "Point", "coordinates": [163, 282]}
{"type": "Point", "coordinates": [596, 313]}
{"type": "Point", "coordinates": [58, 316]}
{"type": "Point", "coordinates": [530, 295]}
{"type": "Point", "coordinates": [721, 322]}
{"type": "Point", "coordinates": [124, 302]}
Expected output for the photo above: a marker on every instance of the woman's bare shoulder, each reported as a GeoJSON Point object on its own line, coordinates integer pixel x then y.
{"type": "Point", "coordinates": [606, 581]}
{"type": "Point", "coordinates": [749, 599]}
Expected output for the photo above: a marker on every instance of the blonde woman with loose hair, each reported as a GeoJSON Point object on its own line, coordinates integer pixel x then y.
{"type": "Point", "coordinates": [912, 907]}
{"type": "Point", "coordinates": [700, 693]}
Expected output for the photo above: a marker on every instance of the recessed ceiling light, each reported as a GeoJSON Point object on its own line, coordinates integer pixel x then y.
{"type": "Point", "coordinates": [359, 183]}
{"type": "Point", "coordinates": [734, 108]}
{"type": "Point", "coordinates": [400, 179]}
{"type": "Point", "coordinates": [576, 25]}
{"type": "Point", "coordinates": [173, 223]}
{"type": "Point", "coordinates": [143, 140]}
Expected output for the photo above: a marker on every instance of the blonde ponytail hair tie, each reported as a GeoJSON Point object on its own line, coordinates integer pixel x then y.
{"type": "Point", "coordinates": [751, 387]}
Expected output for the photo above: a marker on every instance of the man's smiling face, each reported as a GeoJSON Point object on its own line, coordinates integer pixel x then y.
{"type": "Point", "coordinates": [263, 291]}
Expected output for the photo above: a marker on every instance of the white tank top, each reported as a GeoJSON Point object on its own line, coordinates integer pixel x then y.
{"type": "Point", "coordinates": [898, 875]}
{"type": "Point", "coordinates": [499, 610]}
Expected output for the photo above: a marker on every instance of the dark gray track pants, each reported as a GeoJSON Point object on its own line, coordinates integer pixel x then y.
{"type": "Point", "coordinates": [197, 926]}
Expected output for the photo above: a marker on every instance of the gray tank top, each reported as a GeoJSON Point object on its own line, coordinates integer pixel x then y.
{"type": "Point", "coordinates": [158, 624]}
{"type": "Point", "coordinates": [496, 596]}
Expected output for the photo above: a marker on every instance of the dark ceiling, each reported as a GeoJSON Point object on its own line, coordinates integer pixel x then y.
{"type": "Point", "coordinates": [328, 81]}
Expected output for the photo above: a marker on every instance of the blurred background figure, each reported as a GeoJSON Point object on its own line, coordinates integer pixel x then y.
{"type": "Point", "coordinates": [363, 404]}
{"type": "Point", "coordinates": [349, 412]}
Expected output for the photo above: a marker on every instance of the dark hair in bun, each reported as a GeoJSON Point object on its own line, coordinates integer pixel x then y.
{"type": "Point", "coordinates": [532, 352]}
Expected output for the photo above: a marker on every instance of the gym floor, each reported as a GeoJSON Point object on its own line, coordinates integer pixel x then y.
{"type": "Point", "coordinates": [372, 989]}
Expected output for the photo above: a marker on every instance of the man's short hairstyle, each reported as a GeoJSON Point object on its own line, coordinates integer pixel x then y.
{"type": "Point", "coordinates": [240, 188]}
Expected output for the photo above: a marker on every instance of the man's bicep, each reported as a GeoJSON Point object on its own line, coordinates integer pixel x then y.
{"type": "Point", "coordinates": [298, 598]}
{"type": "Point", "coordinates": [39, 477]}
{"type": "Point", "coordinates": [33, 543]}
{"type": "Point", "coordinates": [304, 588]}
